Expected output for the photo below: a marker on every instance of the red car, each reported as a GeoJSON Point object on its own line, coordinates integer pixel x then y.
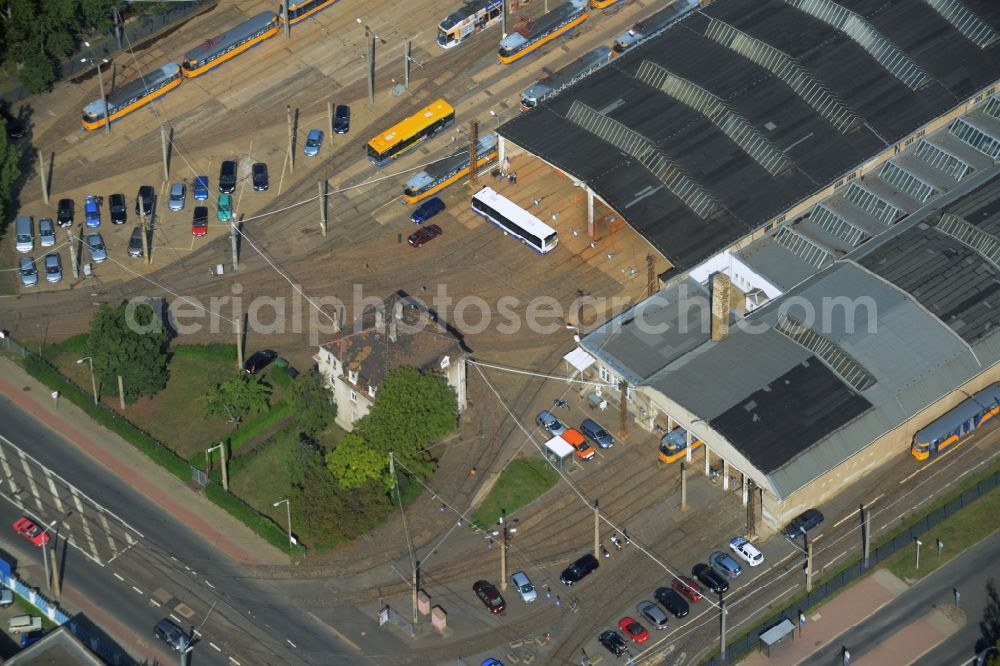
{"type": "Point", "coordinates": [424, 235]}
{"type": "Point", "coordinates": [199, 223]}
{"type": "Point", "coordinates": [688, 588]}
{"type": "Point", "coordinates": [633, 630]}
{"type": "Point", "coordinates": [490, 596]}
{"type": "Point", "coordinates": [31, 531]}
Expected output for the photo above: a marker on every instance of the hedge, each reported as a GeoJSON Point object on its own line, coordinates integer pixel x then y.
{"type": "Point", "coordinates": [258, 522]}
{"type": "Point", "coordinates": [258, 425]}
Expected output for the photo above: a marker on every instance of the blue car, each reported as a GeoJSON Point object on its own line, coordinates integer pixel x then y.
{"type": "Point", "coordinates": [91, 211]}
{"type": "Point", "coordinates": [427, 210]}
{"type": "Point", "coordinates": [725, 564]}
{"type": "Point", "coordinates": [200, 188]}
{"type": "Point", "coordinates": [313, 141]}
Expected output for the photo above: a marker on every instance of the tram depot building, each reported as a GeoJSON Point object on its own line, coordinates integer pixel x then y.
{"type": "Point", "coordinates": [822, 177]}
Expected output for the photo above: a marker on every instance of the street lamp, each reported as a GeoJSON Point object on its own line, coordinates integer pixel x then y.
{"type": "Point", "coordinates": [288, 507]}
{"type": "Point", "coordinates": [100, 81]}
{"type": "Point", "coordinates": [221, 446]}
{"type": "Point", "coordinates": [45, 554]}
{"type": "Point", "coordinates": [506, 532]}
{"type": "Point", "coordinates": [919, 544]}
{"type": "Point", "coordinates": [93, 383]}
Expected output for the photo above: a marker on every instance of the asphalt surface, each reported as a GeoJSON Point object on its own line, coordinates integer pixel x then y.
{"type": "Point", "coordinates": [968, 573]}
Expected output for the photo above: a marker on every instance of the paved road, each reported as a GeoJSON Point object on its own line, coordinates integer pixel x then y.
{"type": "Point", "coordinates": [968, 572]}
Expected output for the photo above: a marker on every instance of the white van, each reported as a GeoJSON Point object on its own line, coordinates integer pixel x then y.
{"type": "Point", "coordinates": [20, 624]}
{"type": "Point", "coordinates": [24, 233]}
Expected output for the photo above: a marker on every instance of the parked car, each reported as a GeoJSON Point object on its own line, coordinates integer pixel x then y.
{"type": "Point", "coordinates": [64, 213]}
{"type": "Point", "coordinates": [593, 431]}
{"type": "Point", "coordinates": [638, 633]}
{"type": "Point", "coordinates": [614, 643]}
{"type": "Point", "coordinates": [547, 420]}
{"type": "Point", "coordinates": [579, 570]}
{"type": "Point", "coordinates": [259, 172]}
{"type": "Point", "coordinates": [178, 194]}
{"type": "Point", "coordinates": [24, 233]}
{"type": "Point", "coordinates": [15, 126]}
{"type": "Point", "coordinates": [259, 360]}
{"type": "Point", "coordinates": [424, 235]}
{"type": "Point", "coordinates": [91, 211]}
{"type": "Point", "coordinates": [687, 588]}
{"type": "Point", "coordinates": [30, 530]}
{"type": "Point", "coordinates": [580, 446]}
{"type": "Point", "coordinates": [46, 232]}
{"type": "Point", "coordinates": [710, 578]}
{"type": "Point", "coordinates": [313, 141]}
{"type": "Point", "coordinates": [32, 637]}
{"type": "Point", "coordinates": [672, 601]}
{"type": "Point", "coordinates": [427, 210]}
{"type": "Point", "coordinates": [199, 221]}
{"type": "Point", "coordinates": [524, 587]}
{"type": "Point", "coordinates": [53, 267]}
{"type": "Point", "coordinates": [144, 200]}
{"type": "Point", "coordinates": [725, 564]}
{"type": "Point", "coordinates": [135, 243]}
{"type": "Point", "coordinates": [342, 119]}
{"type": "Point", "coordinates": [746, 550]}
{"type": "Point", "coordinates": [224, 210]}
{"type": "Point", "coordinates": [653, 613]}
{"type": "Point", "coordinates": [490, 596]}
{"type": "Point", "coordinates": [803, 522]}
{"type": "Point", "coordinates": [95, 245]}
{"type": "Point", "coordinates": [227, 177]}
{"type": "Point", "coordinates": [172, 635]}
{"type": "Point", "coordinates": [29, 274]}
{"type": "Point", "coordinates": [200, 188]}
{"type": "Point", "coordinates": [117, 208]}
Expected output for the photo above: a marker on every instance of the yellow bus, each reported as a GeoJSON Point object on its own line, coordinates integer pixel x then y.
{"type": "Point", "coordinates": [405, 135]}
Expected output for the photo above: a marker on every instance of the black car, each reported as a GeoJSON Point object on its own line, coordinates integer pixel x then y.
{"type": "Point", "coordinates": [227, 177]}
{"type": "Point", "coordinates": [614, 643]}
{"type": "Point", "coordinates": [710, 578]}
{"type": "Point", "coordinates": [118, 209]}
{"type": "Point", "coordinates": [672, 601]}
{"type": "Point", "coordinates": [804, 522]}
{"type": "Point", "coordinates": [144, 200]}
{"type": "Point", "coordinates": [259, 360]}
{"type": "Point", "coordinates": [580, 569]}
{"type": "Point", "coordinates": [64, 213]}
{"type": "Point", "coordinates": [260, 182]}
{"type": "Point", "coordinates": [342, 119]}
{"type": "Point", "coordinates": [15, 127]}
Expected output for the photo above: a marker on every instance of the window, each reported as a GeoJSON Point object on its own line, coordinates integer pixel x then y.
{"type": "Point", "coordinates": [352, 376]}
{"type": "Point", "coordinates": [354, 397]}
{"type": "Point", "coordinates": [371, 391]}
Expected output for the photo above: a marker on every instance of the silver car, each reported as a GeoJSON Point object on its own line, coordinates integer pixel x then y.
{"type": "Point", "coordinates": [95, 244]}
{"type": "Point", "coordinates": [178, 193]}
{"type": "Point", "coordinates": [524, 587]}
{"type": "Point", "coordinates": [653, 613]}
{"type": "Point", "coordinates": [46, 232]}
{"type": "Point", "coordinates": [135, 243]}
{"type": "Point", "coordinates": [53, 267]}
{"type": "Point", "coordinates": [29, 274]}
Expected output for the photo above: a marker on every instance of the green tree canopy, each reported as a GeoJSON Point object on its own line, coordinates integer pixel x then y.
{"type": "Point", "coordinates": [312, 402]}
{"type": "Point", "coordinates": [355, 463]}
{"type": "Point", "coordinates": [9, 172]}
{"type": "Point", "coordinates": [130, 341]}
{"type": "Point", "coordinates": [238, 397]}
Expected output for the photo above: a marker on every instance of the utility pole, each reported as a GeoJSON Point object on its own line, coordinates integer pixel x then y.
{"type": "Point", "coordinates": [232, 239]}
{"type": "Point", "coordinates": [406, 63]}
{"type": "Point", "coordinates": [416, 588]}
{"type": "Point", "coordinates": [239, 341]}
{"type": "Point", "coordinates": [56, 588]}
{"type": "Point", "coordinates": [291, 140]}
{"type": "Point", "coordinates": [650, 275]}
{"type": "Point", "coordinates": [504, 543]}
{"type": "Point", "coordinates": [866, 532]}
{"type": "Point", "coordinates": [751, 508]}
{"type": "Point", "coordinates": [288, 22]}
{"type": "Point", "coordinates": [42, 177]}
{"type": "Point", "coordinates": [121, 392]}
{"type": "Point", "coordinates": [145, 238]}
{"type": "Point", "coordinates": [72, 254]}
{"type": "Point", "coordinates": [371, 67]}
{"type": "Point", "coordinates": [684, 487]}
{"type": "Point", "coordinates": [322, 206]}
{"type": "Point", "coordinates": [329, 118]}
{"type": "Point", "coordinates": [623, 411]}
{"type": "Point", "coordinates": [166, 165]}
{"type": "Point", "coordinates": [809, 567]}
{"type": "Point", "coordinates": [503, 18]}
{"type": "Point", "coordinates": [722, 637]}
{"type": "Point", "coordinates": [597, 531]}
{"type": "Point", "coordinates": [473, 144]}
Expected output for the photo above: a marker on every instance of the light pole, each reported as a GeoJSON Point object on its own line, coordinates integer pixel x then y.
{"type": "Point", "coordinates": [288, 507]}
{"type": "Point", "coordinates": [919, 544]}
{"type": "Point", "coordinates": [222, 456]}
{"type": "Point", "coordinates": [45, 554]}
{"type": "Point", "coordinates": [504, 533]}
{"type": "Point", "coordinates": [93, 382]}
{"type": "Point", "coordinates": [100, 81]}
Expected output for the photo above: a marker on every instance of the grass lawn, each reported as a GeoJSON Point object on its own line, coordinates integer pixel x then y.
{"type": "Point", "coordinates": [262, 478]}
{"type": "Point", "coordinates": [524, 480]}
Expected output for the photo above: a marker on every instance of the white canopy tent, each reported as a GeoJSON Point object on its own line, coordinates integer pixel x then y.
{"type": "Point", "coordinates": [557, 450]}
{"type": "Point", "coordinates": [579, 359]}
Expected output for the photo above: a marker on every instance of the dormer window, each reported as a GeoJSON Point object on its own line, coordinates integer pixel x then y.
{"type": "Point", "coordinates": [352, 376]}
{"type": "Point", "coordinates": [371, 391]}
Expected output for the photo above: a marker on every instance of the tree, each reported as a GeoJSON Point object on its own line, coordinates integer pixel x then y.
{"type": "Point", "coordinates": [412, 409]}
{"type": "Point", "coordinates": [355, 463]}
{"type": "Point", "coordinates": [989, 626]}
{"type": "Point", "coordinates": [131, 342]}
{"type": "Point", "coordinates": [9, 172]}
{"type": "Point", "coordinates": [312, 402]}
{"type": "Point", "coordinates": [238, 397]}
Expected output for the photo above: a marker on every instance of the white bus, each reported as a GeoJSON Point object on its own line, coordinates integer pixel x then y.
{"type": "Point", "coordinates": [514, 220]}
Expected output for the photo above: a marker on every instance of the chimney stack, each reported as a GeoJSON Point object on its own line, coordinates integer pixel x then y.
{"type": "Point", "coordinates": [720, 307]}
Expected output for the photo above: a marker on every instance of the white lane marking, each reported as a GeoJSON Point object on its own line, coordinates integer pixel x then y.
{"type": "Point", "coordinates": [115, 574]}
{"type": "Point", "coordinates": [7, 471]}
{"type": "Point", "coordinates": [234, 661]}
{"type": "Point", "coordinates": [155, 603]}
{"type": "Point", "coordinates": [217, 648]}
{"type": "Point", "coordinates": [137, 589]}
{"type": "Point", "coordinates": [209, 584]}
{"type": "Point", "coordinates": [31, 482]}
{"type": "Point", "coordinates": [178, 620]}
{"type": "Point", "coordinates": [54, 491]}
{"type": "Point", "coordinates": [86, 523]}
{"type": "Point", "coordinates": [292, 644]}
{"type": "Point", "coordinates": [107, 531]}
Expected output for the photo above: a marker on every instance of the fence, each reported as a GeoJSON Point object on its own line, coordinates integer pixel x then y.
{"type": "Point", "coordinates": [830, 587]}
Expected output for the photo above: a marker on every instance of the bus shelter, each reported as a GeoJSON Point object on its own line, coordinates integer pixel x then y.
{"type": "Point", "coordinates": [770, 638]}
{"type": "Point", "coordinates": [557, 450]}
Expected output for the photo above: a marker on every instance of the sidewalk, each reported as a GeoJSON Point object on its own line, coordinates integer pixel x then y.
{"type": "Point", "coordinates": [119, 457]}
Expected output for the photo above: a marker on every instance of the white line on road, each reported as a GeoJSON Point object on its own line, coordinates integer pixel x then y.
{"type": "Point", "coordinates": [292, 644]}
{"type": "Point", "coordinates": [178, 621]}
{"type": "Point", "coordinates": [234, 661]}
{"type": "Point", "coordinates": [55, 493]}
{"type": "Point", "coordinates": [86, 523]}
{"type": "Point", "coordinates": [31, 482]}
{"type": "Point", "coordinates": [138, 591]}
{"type": "Point", "coordinates": [209, 584]}
{"type": "Point", "coordinates": [115, 574]}
{"type": "Point", "coordinates": [845, 518]}
{"type": "Point", "coordinates": [155, 603]}
{"type": "Point", "coordinates": [217, 648]}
